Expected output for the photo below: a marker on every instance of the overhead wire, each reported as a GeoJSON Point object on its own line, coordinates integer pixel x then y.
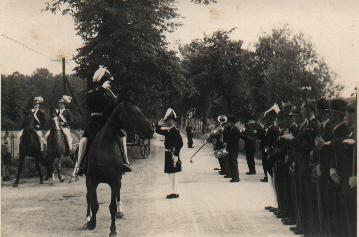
{"type": "Point", "coordinates": [32, 49]}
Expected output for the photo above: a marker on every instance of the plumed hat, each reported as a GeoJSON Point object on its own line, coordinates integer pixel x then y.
{"type": "Point", "coordinates": [295, 111]}
{"type": "Point", "coordinates": [272, 111]}
{"type": "Point", "coordinates": [351, 107]}
{"type": "Point", "coordinates": [38, 100]}
{"type": "Point", "coordinates": [170, 115]}
{"type": "Point", "coordinates": [286, 109]}
{"type": "Point", "coordinates": [101, 71]}
{"type": "Point", "coordinates": [231, 118]}
{"type": "Point", "coordinates": [65, 99]}
{"type": "Point", "coordinates": [322, 104]}
{"type": "Point", "coordinates": [338, 105]}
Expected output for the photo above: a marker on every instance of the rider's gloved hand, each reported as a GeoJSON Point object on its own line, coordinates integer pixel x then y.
{"type": "Point", "coordinates": [175, 159]}
{"type": "Point", "coordinates": [106, 85]}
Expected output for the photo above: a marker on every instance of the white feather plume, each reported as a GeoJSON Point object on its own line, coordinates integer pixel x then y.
{"type": "Point", "coordinates": [38, 99]}
{"type": "Point", "coordinates": [101, 71]}
{"type": "Point", "coordinates": [67, 99]}
{"type": "Point", "coordinates": [169, 112]}
{"type": "Point", "coordinates": [275, 108]}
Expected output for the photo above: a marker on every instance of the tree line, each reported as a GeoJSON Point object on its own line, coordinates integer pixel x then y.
{"type": "Point", "coordinates": [209, 76]}
{"type": "Point", "coordinates": [18, 92]}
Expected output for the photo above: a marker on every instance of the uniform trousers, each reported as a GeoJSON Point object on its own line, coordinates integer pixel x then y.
{"type": "Point", "coordinates": [264, 162]}
{"type": "Point", "coordinates": [250, 160]}
{"type": "Point", "coordinates": [233, 164]}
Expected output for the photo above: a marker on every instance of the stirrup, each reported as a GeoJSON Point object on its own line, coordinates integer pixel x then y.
{"type": "Point", "coordinates": [127, 168]}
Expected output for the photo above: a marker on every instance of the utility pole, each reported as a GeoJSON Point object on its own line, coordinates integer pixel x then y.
{"type": "Point", "coordinates": [63, 76]}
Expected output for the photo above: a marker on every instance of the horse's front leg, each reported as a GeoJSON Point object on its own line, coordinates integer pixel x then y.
{"type": "Point", "coordinates": [88, 212]}
{"type": "Point", "coordinates": [119, 213]}
{"type": "Point", "coordinates": [19, 170]}
{"type": "Point", "coordinates": [113, 209]}
{"type": "Point", "coordinates": [92, 197]}
{"type": "Point", "coordinates": [58, 168]}
{"type": "Point", "coordinates": [51, 169]}
{"type": "Point", "coordinates": [37, 160]}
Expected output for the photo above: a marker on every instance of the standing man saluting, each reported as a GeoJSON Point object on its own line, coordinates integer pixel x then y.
{"type": "Point", "coordinates": [173, 144]}
{"type": "Point", "coordinates": [231, 138]}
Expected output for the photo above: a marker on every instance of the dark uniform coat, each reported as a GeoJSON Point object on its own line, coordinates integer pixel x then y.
{"type": "Point", "coordinates": [39, 119]}
{"type": "Point", "coordinates": [173, 144]}
{"type": "Point", "coordinates": [65, 117]}
{"type": "Point", "coordinates": [100, 106]}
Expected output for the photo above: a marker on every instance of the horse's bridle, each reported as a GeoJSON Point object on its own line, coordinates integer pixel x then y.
{"type": "Point", "coordinates": [56, 121]}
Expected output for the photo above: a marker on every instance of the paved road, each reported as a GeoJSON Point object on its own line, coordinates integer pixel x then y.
{"type": "Point", "coordinates": [209, 205]}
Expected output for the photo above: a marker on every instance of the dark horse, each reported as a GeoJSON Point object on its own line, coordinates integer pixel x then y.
{"type": "Point", "coordinates": [105, 162]}
{"type": "Point", "coordinates": [56, 149]}
{"type": "Point", "coordinates": [29, 147]}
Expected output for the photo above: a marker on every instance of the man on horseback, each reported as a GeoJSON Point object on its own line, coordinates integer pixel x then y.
{"type": "Point", "coordinates": [65, 120]}
{"type": "Point", "coordinates": [101, 101]}
{"type": "Point", "coordinates": [38, 119]}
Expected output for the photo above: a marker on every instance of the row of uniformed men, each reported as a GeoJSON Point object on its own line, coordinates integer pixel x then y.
{"type": "Point", "coordinates": [310, 154]}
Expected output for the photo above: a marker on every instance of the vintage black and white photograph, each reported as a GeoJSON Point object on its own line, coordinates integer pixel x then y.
{"type": "Point", "coordinates": [183, 118]}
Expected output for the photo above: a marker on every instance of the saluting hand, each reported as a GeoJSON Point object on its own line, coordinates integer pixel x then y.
{"type": "Point", "coordinates": [353, 181]}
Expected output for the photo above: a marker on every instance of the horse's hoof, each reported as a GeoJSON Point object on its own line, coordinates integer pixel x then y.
{"type": "Point", "coordinates": [62, 180]}
{"type": "Point", "coordinates": [119, 215]}
{"type": "Point", "coordinates": [91, 226]}
{"type": "Point", "coordinates": [16, 184]}
{"type": "Point", "coordinates": [113, 234]}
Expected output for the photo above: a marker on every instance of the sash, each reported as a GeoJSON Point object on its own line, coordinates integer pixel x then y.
{"type": "Point", "coordinates": [35, 116]}
{"type": "Point", "coordinates": [61, 115]}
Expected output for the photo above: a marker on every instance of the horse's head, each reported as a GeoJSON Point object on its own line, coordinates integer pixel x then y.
{"type": "Point", "coordinates": [28, 123]}
{"type": "Point", "coordinates": [54, 122]}
{"type": "Point", "coordinates": [130, 117]}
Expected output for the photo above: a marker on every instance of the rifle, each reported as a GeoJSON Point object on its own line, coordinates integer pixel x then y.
{"type": "Point", "coordinates": [355, 132]}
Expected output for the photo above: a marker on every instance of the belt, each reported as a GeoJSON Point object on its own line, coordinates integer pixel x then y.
{"type": "Point", "coordinates": [96, 114]}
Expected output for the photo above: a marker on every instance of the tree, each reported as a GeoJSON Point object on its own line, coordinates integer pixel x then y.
{"type": "Point", "coordinates": [129, 38]}
{"type": "Point", "coordinates": [19, 90]}
{"type": "Point", "coordinates": [286, 62]}
{"type": "Point", "coordinates": [218, 68]}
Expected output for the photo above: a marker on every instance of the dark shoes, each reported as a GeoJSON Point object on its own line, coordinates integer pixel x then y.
{"type": "Point", "coordinates": [227, 176]}
{"type": "Point", "coordinates": [126, 168]}
{"type": "Point", "coordinates": [172, 195]}
{"type": "Point", "coordinates": [221, 173]}
{"type": "Point", "coordinates": [288, 221]}
{"type": "Point", "coordinates": [265, 180]}
{"type": "Point", "coordinates": [273, 209]}
{"type": "Point", "coordinates": [269, 208]}
{"type": "Point", "coordinates": [216, 169]}
{"type": "Point", "coordinates": [296, 230]}
{"type": "Point", "coordinates": [250, 173]}
{"type": "Point", "coordinates": [279, 214]}
{"type": "Point", "coordinates": [80, 171]}
{"type": "Point", "coordinates": [6, 178]}
{"type": "Point", "coordinates": [234, 180]}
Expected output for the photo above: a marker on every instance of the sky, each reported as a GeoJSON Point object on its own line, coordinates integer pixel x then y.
{"type": "Point", "coordinates": [331, 25]}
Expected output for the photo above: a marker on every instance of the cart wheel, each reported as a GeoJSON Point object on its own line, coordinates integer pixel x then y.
{"type": "Point", "coordinates": [145, 148]}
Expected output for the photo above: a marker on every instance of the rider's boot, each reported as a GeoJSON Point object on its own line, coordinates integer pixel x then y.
{"type": "Point", "coordinates": [126, 162]}
{"type": "Point", "coordinates": [79, 170]}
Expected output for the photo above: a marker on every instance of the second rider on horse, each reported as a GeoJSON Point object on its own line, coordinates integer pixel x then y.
{"type": "Point", "coordinates": [100, 101]}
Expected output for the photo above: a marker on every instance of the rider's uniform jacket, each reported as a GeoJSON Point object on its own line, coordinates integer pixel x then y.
{"type": "Point", "coordinates": [39, 118]}
{"type": "Point", "coordinates": [100, 103]}
{"type": "Point", "coordinates": [100, 106]}
{"type": "Point", "coordinates": [173, 140]}
{"type": "Point", "coordinates": [343, 155]}
{"type": "Point", "coordinates": [65, 117]}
